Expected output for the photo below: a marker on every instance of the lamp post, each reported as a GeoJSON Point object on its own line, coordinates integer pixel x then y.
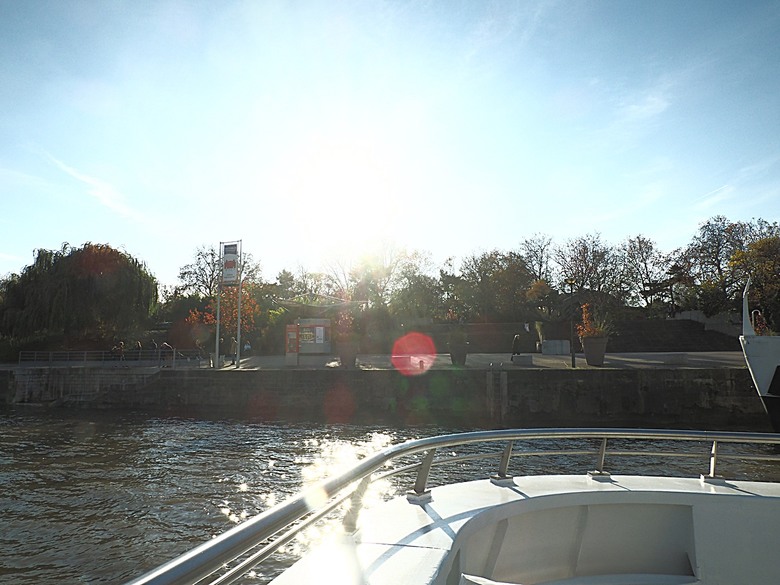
{"type": "Point", "coordinates": [569, 284]}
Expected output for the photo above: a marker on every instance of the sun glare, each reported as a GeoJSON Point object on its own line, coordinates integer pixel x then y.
{"type": "Point", "coordinates": [346, 185]}
{"type": "Point", "coordinates": [334, 457]}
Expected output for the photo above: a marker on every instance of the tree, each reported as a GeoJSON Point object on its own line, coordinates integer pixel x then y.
{"type": "Point", "coordinates": [453, 290]}
{"type": "Point", "coordinates": [203, 276]}
{"type": "Point", "coordinates": [709, 254]}
{"type": "Point", "coordinates": [289, 285]}
{"type": "Point", "coordinates": [760, 229]}
{"type": "Point", "coordinates": [542, 296]}
{"type": "Point", "coordinates": [592, 265]}
{"type": "Point", "coordinates": [493, 286]}
{"type": "Point", "coordinates": [228, 312]}
{"type": "Point", "coordinates": [373, 277]}
{"type": "Point", "coordinates": [377, 276]}
{"type": "Point", "coordinates": [761, 263]}
{"type": "Point", "coordinates": [418, 296]}
{"type": "Point", "coordinates": [94, 291]}
{"type": "Point", "coordinates": [644, 270]}
{"type": "Point", "coordinates": [537, 253]}
{"type": "Point", "coordinates": [708, 259]}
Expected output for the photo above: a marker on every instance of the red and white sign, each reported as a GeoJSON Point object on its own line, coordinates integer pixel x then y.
{"type": "Point", "coordinates": [230, 263]}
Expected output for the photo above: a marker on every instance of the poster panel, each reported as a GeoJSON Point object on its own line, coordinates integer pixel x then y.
{"type": "Point", "coordinates": [230, 264]}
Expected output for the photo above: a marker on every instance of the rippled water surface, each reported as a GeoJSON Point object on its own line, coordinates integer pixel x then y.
{"type": "Point", "coordinates": [97, 497]}
{"type": "Point", "coordinates": [102, 497]}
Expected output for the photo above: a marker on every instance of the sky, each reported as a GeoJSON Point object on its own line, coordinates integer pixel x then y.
{"type": "Point", "coordinates": [318, 131]}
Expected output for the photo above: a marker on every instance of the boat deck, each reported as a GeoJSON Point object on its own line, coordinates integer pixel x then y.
{"type": "Point", "coordinates": [670, 526]}
{"type": "Point", "coordinates": [561, 530]}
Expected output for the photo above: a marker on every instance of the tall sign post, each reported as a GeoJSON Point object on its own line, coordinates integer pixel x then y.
{"type": "Point", "coordinates": [230, 266]}
{"type": "Point", "coordinates": [216, 364]}
{"type": "Point", "coordinates": [240, 276]}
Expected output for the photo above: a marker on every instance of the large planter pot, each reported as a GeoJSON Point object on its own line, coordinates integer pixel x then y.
{"type": "Point", "coordinates": [347, 351]}
{"type": "Point", "coordinates": [458, 353]}
{"type": "Point", "coordinates": [594, 349]}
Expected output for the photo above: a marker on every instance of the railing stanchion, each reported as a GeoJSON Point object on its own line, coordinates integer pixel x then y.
{"type": "Point", "coordinates": [421, 494]}
{"type": "Point", "coordinates": [713, 459]}
{"type": "Point", "coordinates": [502, 477]}
{"type": "Point", "coordinates": [356, 501]}
{"type": "Point", "coordinates": [505, 457]}
{"type": "Point", "coordinates": [602, 455]}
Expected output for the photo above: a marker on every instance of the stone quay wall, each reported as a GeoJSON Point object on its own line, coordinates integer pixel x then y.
{"type": "Point", "coordinates": [712, 399]}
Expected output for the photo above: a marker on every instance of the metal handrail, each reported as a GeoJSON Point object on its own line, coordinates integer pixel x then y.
{"type": "Point", "coordinates": [232, 545]}
{"type": "Point", "coordinates": [129, 357]}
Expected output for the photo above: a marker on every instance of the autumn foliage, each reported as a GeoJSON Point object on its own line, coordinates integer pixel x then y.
{"type": "Point", "coordinates": [228, 310]}
{"type": "Point", "coordinates": [591, 326]}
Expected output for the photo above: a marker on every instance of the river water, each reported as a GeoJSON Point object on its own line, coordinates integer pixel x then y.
{"type": "Point", "coordinates": [102, 497]}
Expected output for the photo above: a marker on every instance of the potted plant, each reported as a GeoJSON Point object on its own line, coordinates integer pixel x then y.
{"type": "Point", "coordinates": [594, 334]}
{"type": "Point", "coordinates": [458, 345]}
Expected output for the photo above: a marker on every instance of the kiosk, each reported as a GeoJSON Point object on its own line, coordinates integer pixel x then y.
{"type": "Point", "coordinates": [307, 338]}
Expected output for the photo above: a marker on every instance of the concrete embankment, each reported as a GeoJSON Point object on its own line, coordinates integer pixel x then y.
{"type": "Point", "coordinates": [718, 398]}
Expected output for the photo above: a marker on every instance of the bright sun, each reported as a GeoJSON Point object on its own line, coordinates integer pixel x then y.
{"type": "Point", "coordinates": [349, 184]}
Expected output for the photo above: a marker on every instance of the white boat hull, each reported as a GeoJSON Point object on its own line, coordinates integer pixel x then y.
{"type": "Point", "coordinates": [762, 356]}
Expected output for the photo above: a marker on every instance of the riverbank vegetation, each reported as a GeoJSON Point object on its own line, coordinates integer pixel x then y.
{"type": "Point", "coordinates": [95, 295]}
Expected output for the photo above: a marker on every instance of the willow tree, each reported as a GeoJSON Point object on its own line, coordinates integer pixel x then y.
{"type": "Point", "coordinates": [94, 291]}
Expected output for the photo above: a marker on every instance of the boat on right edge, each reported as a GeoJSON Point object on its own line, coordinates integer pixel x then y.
{"type": "Point", "coordinates": [762, 355]}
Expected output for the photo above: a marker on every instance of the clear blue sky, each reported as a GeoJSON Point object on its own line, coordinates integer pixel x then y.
{"type": "Point", "coordinates": [314, 130]}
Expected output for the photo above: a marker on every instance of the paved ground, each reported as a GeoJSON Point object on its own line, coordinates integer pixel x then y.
{"type": "Point", "coordinates": [719, 359]}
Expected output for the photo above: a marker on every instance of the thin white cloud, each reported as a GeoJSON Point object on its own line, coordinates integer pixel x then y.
{"type": "Point", "coordinates": [11, 257]}
{"type": "Point", "coordinates": [646, 107]}
{"type": "Point", "coordinates": [757, 185]}
{"type": "Point", "coordinates": [10, 262]}
{"type": "Point", "coordinates": [758, 168]}
{"type": "Point", "coordinates": [632, 116]}
{"type": "Point", "coordinates": [648, 196]}
{"type": "Point", "coordinates": [636, 107]}
{"type": "Point", "coordinates": [16, 178]}
{"type": "Point", "coordinates": [507, 27]}
{"type": "Point", "coordinates": [752, 183]}
{"type": "Point", "coordinates": [714, 197]}
{"type": "Point", "coordinates": [103, 192]}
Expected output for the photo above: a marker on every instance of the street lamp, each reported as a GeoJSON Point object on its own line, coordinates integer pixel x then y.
{"type": "Point", "coordinates": [569, 284]}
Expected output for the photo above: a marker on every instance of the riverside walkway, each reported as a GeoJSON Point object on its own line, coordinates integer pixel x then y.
{"type": "Point", "coordinates": [713, 359]}
{"type": "Point", "coordinates": [188, 360]}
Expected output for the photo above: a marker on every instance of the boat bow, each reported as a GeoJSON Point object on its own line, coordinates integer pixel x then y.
{"type": "Point", "coordinates": [762, 356]}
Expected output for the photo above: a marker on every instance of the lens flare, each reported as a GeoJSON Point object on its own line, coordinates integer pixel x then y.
{"type": "Point", "coordinates": [413, 354]}
{"type": "Point", "coordinates": [315, 498]}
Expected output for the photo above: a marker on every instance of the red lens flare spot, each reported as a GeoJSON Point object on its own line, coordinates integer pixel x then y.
{"type": "Point", "coordinates": [413, 354]}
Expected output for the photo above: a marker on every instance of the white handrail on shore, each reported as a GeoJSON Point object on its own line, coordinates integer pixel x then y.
{"type": "Point", "coordinates": [175, 358]}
